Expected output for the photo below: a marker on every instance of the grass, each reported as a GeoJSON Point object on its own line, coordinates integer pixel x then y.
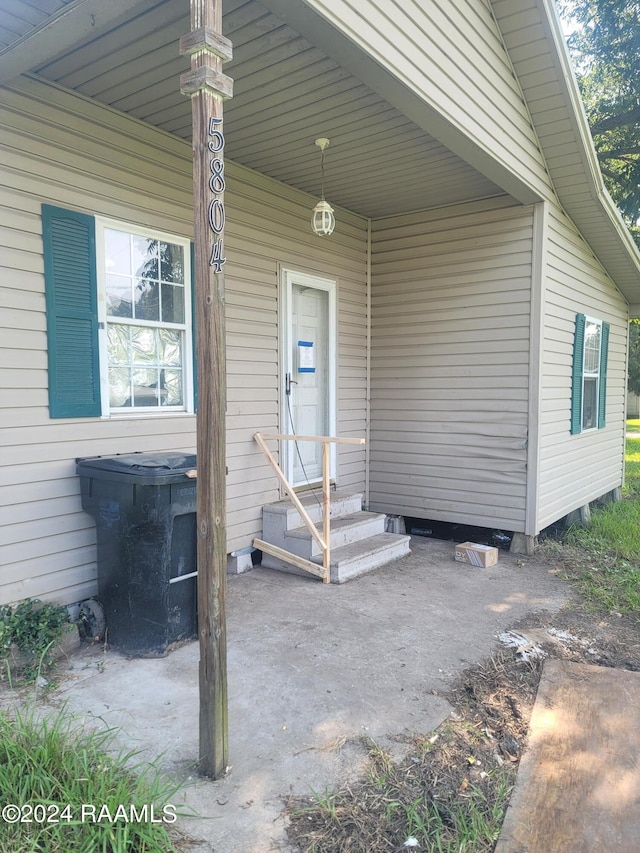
{"type": "Point", "coordinates": [608, 561]}
{"type": "Point", "coordinates": [50, 769]}
{"type": "Point", "coordinates": [632, 466]}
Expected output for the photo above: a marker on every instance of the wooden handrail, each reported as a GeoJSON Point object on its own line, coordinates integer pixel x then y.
{"type": "Point", "coordinates": [289, 490]}
{"type": "Point", "coordinates": [323, 541]}
{"type": "Point", "coordinates": [329, 439]}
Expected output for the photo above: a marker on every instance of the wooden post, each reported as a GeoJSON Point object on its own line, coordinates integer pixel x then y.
{"type": "Point", "coordinates": [207, 87]}
{"type": "Point", "coordinates": [326, 510]}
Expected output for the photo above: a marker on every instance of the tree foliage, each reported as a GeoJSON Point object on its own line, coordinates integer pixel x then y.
{"type": "Point", "coordinates": [604, 43]}
{"type": "Point", "coordinates": [634, 357]}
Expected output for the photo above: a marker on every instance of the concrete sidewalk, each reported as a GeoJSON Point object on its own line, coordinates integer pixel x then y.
{"type": "Point", "coordinates": [312, 667]}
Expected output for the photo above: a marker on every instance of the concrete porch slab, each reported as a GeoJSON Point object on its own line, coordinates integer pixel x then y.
{"type": "Point", "coordinates": [579, 779]}
{"type": "Point", "coordinates": [312, 668]}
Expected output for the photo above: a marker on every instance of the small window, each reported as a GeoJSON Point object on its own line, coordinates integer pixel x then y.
{"type": "Point", "coordinates": [589, 382]}
{"type": "Point", "coordinates": [143, 280]}
{"type": "Point", "coordinates": [591, 375]}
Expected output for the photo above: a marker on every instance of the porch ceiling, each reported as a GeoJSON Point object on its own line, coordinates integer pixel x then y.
{"type": "Point", "coordinates": [287, 92]}
{"type": "Point", "coordinates": [19, 18]}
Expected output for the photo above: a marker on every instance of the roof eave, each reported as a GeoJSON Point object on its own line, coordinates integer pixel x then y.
{"type": "Point", "coordinates": [610, 238]}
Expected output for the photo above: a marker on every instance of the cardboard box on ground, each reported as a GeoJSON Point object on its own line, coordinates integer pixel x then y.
{"type": "Point", "coordinates": [481, 556]}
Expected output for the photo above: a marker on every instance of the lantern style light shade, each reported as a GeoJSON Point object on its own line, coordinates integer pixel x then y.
{"type": "Point", "coordinates": [322, 220]}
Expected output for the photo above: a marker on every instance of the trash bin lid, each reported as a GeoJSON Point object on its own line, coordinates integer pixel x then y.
{"type": "Point", "coordinates": [144, 468]}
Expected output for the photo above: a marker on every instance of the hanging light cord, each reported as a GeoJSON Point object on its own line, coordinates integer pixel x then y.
{"type": "Point", "coordinates": [297, 446]}
{"type": "Point", "coordinates": [322, 174]}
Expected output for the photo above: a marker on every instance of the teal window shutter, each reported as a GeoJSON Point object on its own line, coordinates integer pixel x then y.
{"type": "Point", "coordinates": [193, 327]}
{"type": "Point", "coordinates": [72, 313]}
{"type": "Point", "coordinates": [602, 388]}
{"type": "Point", "coordinates": [577, 375]}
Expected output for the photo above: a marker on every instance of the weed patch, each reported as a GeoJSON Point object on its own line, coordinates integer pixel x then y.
{"type": "Point", "coordinates": [34, 629]}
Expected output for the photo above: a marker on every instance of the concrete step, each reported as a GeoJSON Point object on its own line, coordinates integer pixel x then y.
{"type": "Point", "coordinates": [281, 516]}
{"type": "Point", "coordinates": [344, 530]}
{"type": "Point", "coordinates": [358, 558]}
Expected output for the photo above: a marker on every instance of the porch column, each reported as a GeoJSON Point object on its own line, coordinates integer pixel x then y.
{"type": "Point", "coordinates": [208, 87]}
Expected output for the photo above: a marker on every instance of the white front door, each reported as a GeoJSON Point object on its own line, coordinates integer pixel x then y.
{"type": "Point", "coordinates": [309, 382]}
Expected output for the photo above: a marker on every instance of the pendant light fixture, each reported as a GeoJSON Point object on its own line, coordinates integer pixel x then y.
{"type": "Point", "coordinates": [322, 220]}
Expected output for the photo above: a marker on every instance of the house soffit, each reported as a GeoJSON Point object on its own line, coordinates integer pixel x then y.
{"type": "Point", "coordinates": [287, 92]}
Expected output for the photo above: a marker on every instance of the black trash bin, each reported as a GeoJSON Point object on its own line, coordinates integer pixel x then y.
{"type": "Point", "coordinates": [144, 507]}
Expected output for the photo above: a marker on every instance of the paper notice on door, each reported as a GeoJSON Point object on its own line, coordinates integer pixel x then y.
{"type": "Point", "coordinates": [306, 362]}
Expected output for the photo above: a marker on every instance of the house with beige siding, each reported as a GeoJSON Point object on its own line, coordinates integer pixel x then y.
{"type": "Point", "coordinates": [467, 316]}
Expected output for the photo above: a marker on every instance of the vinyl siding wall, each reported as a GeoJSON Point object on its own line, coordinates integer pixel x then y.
{"type": "Point", "coordinates": [576, 283]}
{"type": "Point", "coordinates": [64, 150]}
{"type": "Point", "coordinates": [451, 295]}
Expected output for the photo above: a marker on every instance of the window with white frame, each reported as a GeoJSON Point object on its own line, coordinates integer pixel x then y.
{"type": "Point", "coordinates": [589, 377]}
{"type": "Point", "coordinates": [591, 373]}
{"type": "Point", "coordinates": [119, 322]}
{"type": "Point", "coordinates": [146, 304]}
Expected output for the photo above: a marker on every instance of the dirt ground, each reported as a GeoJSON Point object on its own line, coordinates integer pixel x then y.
{"type": "Point", "coordinates": [486, 732]}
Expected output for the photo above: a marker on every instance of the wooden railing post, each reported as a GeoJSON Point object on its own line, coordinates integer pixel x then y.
{"type": "Point", "coordinates": [326, 509]}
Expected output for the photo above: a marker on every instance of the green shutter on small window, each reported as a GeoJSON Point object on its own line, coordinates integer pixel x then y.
{"type": "Point", "coordinates": [602, 388]}
{"type": "Point", "coordinates": [193, 327]}
{"type": "Point", "coordinates": [577, 375]}
{"type": "Point", "coordinates": [72, 313]}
